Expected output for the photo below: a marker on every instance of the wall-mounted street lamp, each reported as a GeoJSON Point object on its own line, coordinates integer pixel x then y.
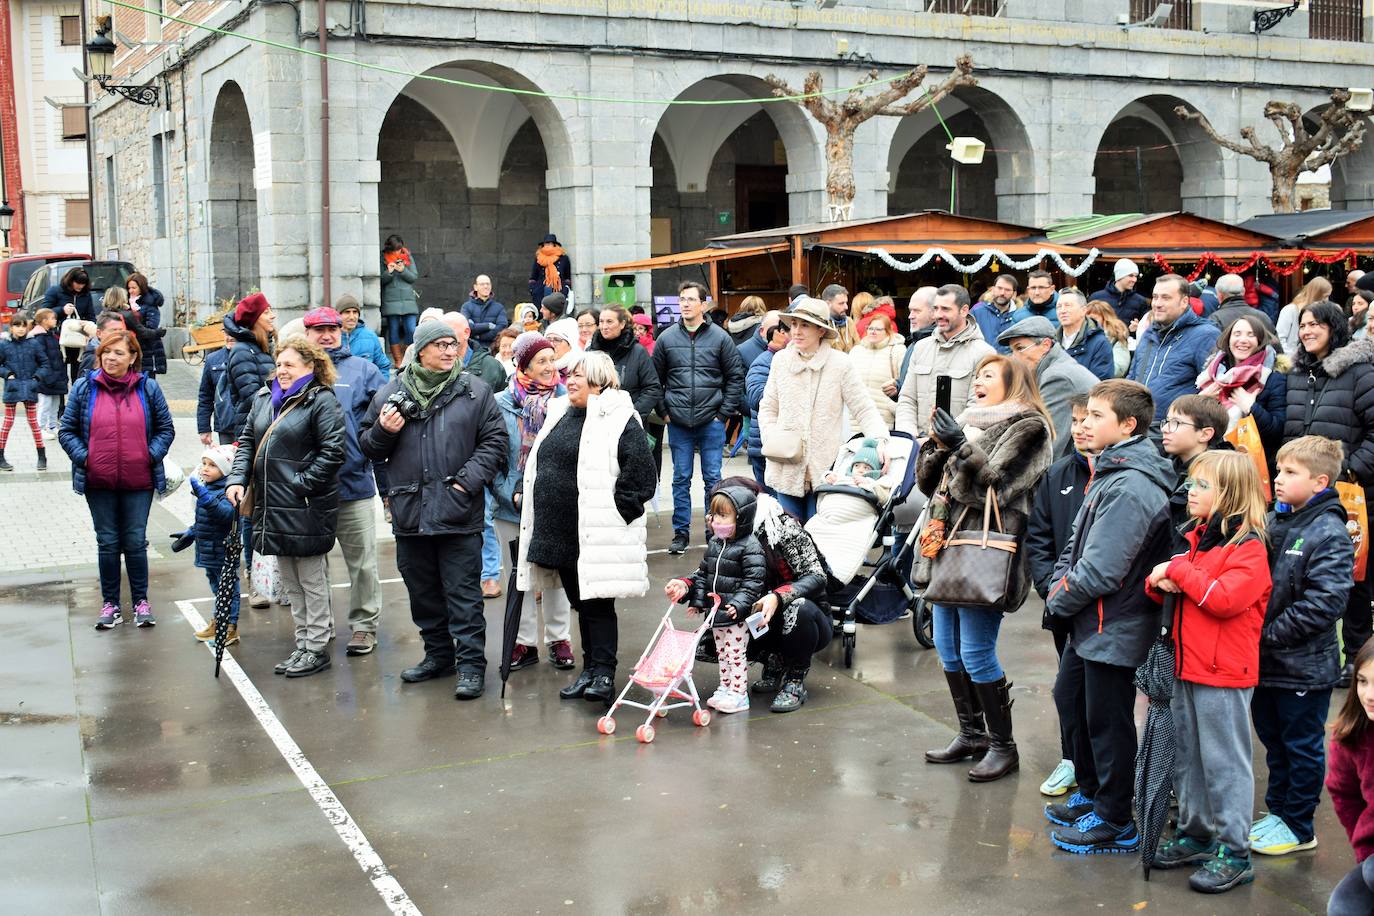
{"type": "Point", "coordinates": [6, 221]}
{"type": "Point", "coordinates": [100, 52]}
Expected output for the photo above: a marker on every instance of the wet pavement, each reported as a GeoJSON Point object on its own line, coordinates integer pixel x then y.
{"type": "Point", "coordinates": [131, 781]}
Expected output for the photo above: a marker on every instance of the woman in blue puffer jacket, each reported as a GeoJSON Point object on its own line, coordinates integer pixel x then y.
{"type": "Point", "coordinates": [23, 362]}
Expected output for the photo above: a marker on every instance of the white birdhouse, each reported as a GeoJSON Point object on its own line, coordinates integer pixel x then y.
{"type": "Point", "coordinates": [1360, 99]}
{"type": "Point", "coordinates": [966, 150]}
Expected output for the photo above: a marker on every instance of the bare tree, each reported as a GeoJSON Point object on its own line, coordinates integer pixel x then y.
{"type": "Point", "coordinates": [842, 117]}
{"type": "Point", "coordinates": [1340, 132]}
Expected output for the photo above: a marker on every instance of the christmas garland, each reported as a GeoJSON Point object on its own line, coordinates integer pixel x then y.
{"type": "Point", "coordinates": [986, 256]}
{"type": "Point", "coordinates": [1258, 258]}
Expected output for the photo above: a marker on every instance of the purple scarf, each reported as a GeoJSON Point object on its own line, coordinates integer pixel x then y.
{"type": "Point", "coordinates": [280, 397]}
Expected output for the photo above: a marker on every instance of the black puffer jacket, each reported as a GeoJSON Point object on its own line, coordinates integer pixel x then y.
{"type": "Point", "coordinates": [734, 569]}
{"type": "Point", "coordinates": [701, 374]}
{"type": "Point", "coordinates": [150, 316]}
{"type": "Point", "coordinates": [1335, 399]}
{"type": "Point", "coordinates": [246, 370]}
{"type": "Point", "coordinates": [459, 439]}
{"type": "Point", "coordinates": [635, 368]}
{"type": "Point", "coordinates": [1310, 557]}
{"type": "Point", "coordinates": [295, 471]}
{"type": "Point", "coordinates": [1058, 497]}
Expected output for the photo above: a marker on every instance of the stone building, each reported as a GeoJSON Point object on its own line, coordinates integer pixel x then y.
{"type": "Point", "coordinates": [471, 128]}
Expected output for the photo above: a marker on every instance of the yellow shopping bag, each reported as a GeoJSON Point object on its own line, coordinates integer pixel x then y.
{"type": "Point", "coordinates": [1357, 514]}
{"type": "Point", "coordinates": [1246, 438]}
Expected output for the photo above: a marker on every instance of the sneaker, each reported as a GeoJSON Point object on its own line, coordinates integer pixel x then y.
{"type": "Point", "coordinates": [109, 618]}
{"type": "Point", "coordinates": [362, 642]}
{"type": "Point", "coordinates": [1060, 781]}
{"type": "Point", "coordinates": [732, 702]}
{"type": "Point", "coordinates": [1091, 835]}
{"type": "Point", "coordinates": [717, 696]}
{"type": "Point", "coordinates": [790, 697]}
{"type": "Point", "coordinates": [256, 600]}
{"type": "Point", "coordinates": [1221, 873]}
{"type": "Point", "coordinates": [1183, 850]}
{"type": "Point", "coordinates": [679, 544]}
{"type": "Point", "coordinates": [469, 686]}
{"type": "Point", "coordinates": [1066, 813]}
{"type": "Point", "coordinates": [231, 636]}
{"type": "Point", "coordinates": [49, 434]}
{"type": "Point", "coordinates": [1259, 828]}
{"type": "Point", "coordinates": [1280, 840]}
{"type": "Point", "coordinates": [143, 615]}
{"type": "Point", "coordinates": [561, 655]}
{"type": "Point", "coordinates": [522, 656]}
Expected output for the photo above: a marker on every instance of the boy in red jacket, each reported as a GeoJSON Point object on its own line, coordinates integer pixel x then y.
{"type": "Point", "coordinates": [1222, 586]}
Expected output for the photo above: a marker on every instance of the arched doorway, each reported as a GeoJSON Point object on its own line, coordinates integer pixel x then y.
{"type": "Point", "coordinates": [463, 182]}
{"type": "Point", "coordinates": [1151, 161]}
{"type": "Point", "coordinates": [233, 201]}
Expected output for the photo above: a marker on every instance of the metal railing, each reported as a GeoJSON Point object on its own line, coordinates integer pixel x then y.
{"type": "Point", "coordinates": [1180, 18]}
{"type": "Point", "coordinates": [967, 7]}
{"type": "Point", "coordinates": [1336, 20]}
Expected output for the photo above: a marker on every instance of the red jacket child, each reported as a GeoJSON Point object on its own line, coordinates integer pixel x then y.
{"type": "Point", "coordinates": [1221, 610]}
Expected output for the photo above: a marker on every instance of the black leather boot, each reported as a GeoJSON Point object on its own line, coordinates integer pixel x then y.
{"type": "Point", "coordinates": [972, 741]}
{"type": "Point", "coordinates": [1001, 757]}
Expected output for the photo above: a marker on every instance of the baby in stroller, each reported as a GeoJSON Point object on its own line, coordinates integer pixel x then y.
{"type": "Point", "coordinates": [733, 568]}
{"type": "Point", "coordinates": [865, 471]}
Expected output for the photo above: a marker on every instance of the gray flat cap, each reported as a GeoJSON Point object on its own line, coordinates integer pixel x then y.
{"type": "Point", "coordinates": [1036, 326]}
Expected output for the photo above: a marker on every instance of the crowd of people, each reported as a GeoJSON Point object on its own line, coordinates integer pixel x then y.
{"type": "Point", "coordinates": [1200, 451]}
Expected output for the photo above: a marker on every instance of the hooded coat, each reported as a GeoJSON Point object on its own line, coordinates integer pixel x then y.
{"type": "Point", "coordinates": [23, 363]}
{"type": "Point", "coordinates": [150, 314]}
{"type": "Point", "coordinates": [246, 369]}
{"type": "Point", "coordinates": [931, 358]}
{"type": "Point", "coordinates": [1335, 399]}
{"type": "Point", "coordinates": [734, 569]}
{"type": "Point", "coordinates": [357, 384]}
{"type": "Point", "coordinates": [1099, 580]}
{"type": "Point", "coordinates": [742, 327]}
{"type": "Point", "coordinates": [52, 379]}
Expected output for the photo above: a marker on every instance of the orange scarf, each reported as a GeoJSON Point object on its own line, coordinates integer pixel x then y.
{"type": "Point", "coordinates": [549, 261]}
{"type": "Point", "coordinates": [399, 256]}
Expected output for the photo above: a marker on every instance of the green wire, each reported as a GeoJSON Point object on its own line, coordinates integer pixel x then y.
{"type": "Point", "coordinates": [507, 89]}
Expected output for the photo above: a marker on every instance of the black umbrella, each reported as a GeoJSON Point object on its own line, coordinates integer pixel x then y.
{"type": "Point", "coordinates": [1154, 760]}
{"type": "Point", "coordinates": [228, 589]}
{"type": "Point", "coordinates": [514, 600]}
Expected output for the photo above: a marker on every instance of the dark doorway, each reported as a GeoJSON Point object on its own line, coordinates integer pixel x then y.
{"type": "Point", "coordinates": [760, 197]}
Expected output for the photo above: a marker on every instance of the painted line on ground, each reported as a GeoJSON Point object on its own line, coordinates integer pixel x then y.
{"type": "Point", "coordinates": [393, 895]}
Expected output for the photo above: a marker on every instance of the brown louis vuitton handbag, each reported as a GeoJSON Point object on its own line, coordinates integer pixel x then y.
{"type": "Point", "coordinates": [975, 568]}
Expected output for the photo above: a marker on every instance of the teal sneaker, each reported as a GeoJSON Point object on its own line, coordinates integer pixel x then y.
{"type": "Point", "coordinates": [1262, 826]}
{"type": "Point", "coordinates": [1184, 850]}
{"type": "Point", "coordinates": [1280, 841]}
{"type": "Point", "coordinates": [1060, 781]}
{"type": "Point", "coordinates": [1222, 873]}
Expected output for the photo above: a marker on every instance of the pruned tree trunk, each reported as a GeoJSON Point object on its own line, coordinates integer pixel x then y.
{"type": "Point", "coordinates": [839, 173]}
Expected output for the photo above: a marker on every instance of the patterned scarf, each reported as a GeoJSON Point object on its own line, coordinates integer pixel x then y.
{"type": "Point", "coordinates": [1251, 374]}
{"type": "Point", "coordinates": [533, 401]}
{"type": "Point", "coordinates": [547, 258]}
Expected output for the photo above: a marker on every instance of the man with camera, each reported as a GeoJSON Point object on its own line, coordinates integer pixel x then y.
{"type": "Point", "coordinates": [443, 440]}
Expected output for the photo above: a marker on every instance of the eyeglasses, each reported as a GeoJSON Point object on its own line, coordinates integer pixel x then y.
{"type": "Point", "coordinates": [1023, 347]}
{"type": "Point", "coordinates": [1197, 483]}
{"type": "Point", "coordinates": [1172, 424]}
{"type": "Point", "coordinates": [444, 345]}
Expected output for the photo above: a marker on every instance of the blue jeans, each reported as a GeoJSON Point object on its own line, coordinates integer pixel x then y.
{"type": "Point", "coordinates": [491, 548]}
{"type": "Point", "coordinates": [1292, 727]}
{"type": "Point", "coordinates": [121, 529]}
{"type": "Point", "coordinates": [966, 639]}
{"type": "Point", "coordinates": [213, 573]}
{"type": "Point", "coordinates": [803, 507]}
{"type": "Point", "coordinates": [400, 330]}
{"type": "Point", "coordinates": [685, 442]}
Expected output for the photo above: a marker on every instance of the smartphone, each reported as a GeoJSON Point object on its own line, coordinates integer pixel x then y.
{"type": "Point", "coordinates": [944, 391]}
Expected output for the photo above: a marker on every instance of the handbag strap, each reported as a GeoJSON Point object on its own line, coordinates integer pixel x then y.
{"type": "Point", "coordinates": [990, 509]}
{"type": "Point", "coordinates": [267, 435]}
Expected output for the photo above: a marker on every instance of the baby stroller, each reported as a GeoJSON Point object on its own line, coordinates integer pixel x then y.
{"type": "Point", "coordinates": [665, 665]}
{"type": "Point", "coordinates": [852, 522]}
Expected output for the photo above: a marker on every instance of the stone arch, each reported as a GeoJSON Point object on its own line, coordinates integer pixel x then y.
{"type": "Point", "coordinates": [232, 197]}
{"type": "Point", "coordinates": [1185, 168]}
{"type": "Point", "coordinates": [464, 178]}
{"type": "Point", "coordinates": [921, 174]}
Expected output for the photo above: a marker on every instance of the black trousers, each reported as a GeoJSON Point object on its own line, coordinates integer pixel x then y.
{"type": "Point", "coordinates": [810, 635]}
{"type": "Point", "coordinates": [1068, 727]}
{"type": "Point", "coordinates": [1357, 624]}
{"type": "Point", "coordinates": [443, 578]}
{"type": "Point", "coordinates": [1100, 702]}
{"type": "Point", "coordinates": [596, 624]}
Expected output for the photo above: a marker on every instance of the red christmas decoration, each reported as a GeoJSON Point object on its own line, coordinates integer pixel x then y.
{"type": "Point", "coordinates": [1277, 268]}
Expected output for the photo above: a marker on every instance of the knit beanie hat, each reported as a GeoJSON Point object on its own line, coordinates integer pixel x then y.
{"type": "Point", "coordinates": [250, 309]}
{"type": "Point", "coordinates": [348, 301]}
{"type": "Point", "coordinates": [868, 454]}
{"type": "Point", "coordinates": [1124, 268]}
{"type": "Point", "coordinates": [564, 329]}
{"type": "Point", "coordinates": [430, 314]}
{"type": "Point", "coordinates": [555, 303]}
{"type": "Point", "coordinates": [526, 347]}
{"type": "Point", "coordinates": [1366, 282]}
{"type": "Point", "coordinates": [430, 331]}
{"type": "Point", "coordinates": [222, 456]}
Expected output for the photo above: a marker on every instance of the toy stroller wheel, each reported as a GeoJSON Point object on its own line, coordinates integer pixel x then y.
{"type": "Point", "coordinates": [701, 718]}
{"type": "Point", "coordinates": [849, 641]}
{"type": "Point", "coordinates": [645, 734]}
{"type": "Point", "coordinates": [606, 725]}
{"type": "Point", "coordinates": [662, 713]}
{"type": "Point", "coordinates": [923, 623]}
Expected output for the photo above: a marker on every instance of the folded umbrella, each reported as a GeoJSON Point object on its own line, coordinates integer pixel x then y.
{"type": "Point", "coordinates": [1154, 759]}
{"type": "Point", "coordinates": [227, 589]}
{"type": "Point", "coordinates": [515, 599]}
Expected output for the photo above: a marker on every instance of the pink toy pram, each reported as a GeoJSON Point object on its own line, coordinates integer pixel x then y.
{"type": "Point", "coordinates": [663, 669]}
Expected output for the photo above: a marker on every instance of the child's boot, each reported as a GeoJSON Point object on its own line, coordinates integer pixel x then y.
{"type": "Point", "coordinates": [1001, 758]}
{"type": "Point", "coordinates": [5, 465]}
{"type": "Point", "coordinates": [1220, 874]}
{"type": "Point", "coordinates": [42, 459]}
{"type": "Point", "coordinates": [972, 740]}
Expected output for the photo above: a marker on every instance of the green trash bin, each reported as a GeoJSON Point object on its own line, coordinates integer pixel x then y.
{"type": "Point", "coordinates": [618, 289]}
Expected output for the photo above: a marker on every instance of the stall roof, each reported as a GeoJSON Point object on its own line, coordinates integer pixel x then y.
{"type": "Point", "coordinates": [1318, 227]}
{"type": "Point", "coordinates": [697, 256]}
{"type": "Point", "coordinates": [1143, 234]}
{"type": "Point", "coordinates": [930, 224]}
{"type": "Point", "coordinates": [962, 247]}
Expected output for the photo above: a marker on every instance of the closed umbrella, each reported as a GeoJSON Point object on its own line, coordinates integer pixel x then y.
{"type": "Point", "coordinates": [227, 589]}
{"type": "Point", "coordinates": [515, 599]}
{"type": "Point", "coordinates": [1154, 759]}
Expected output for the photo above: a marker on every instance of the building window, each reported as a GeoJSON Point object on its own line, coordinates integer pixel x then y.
{"type": "Point", "coordinates": [71, 30]}
{"type": "Point", "coordinates": [73, 122]}
{"type": "Point", "coordinates": [77, 220]}
{"type": "Point", "coordinates": [160, 184]}
{"type": "Point", "coordinates": [1336, 20]}
{"type": "Point", "coordinates": [1180, 18]}
{"type": "Point", "coordinates": [111, 201]}
{"type": "Point", "coordinates": [967, 7]}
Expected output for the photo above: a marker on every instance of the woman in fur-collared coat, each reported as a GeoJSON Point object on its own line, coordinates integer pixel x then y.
{"type": "Point", "coordinates": [1003, 442]}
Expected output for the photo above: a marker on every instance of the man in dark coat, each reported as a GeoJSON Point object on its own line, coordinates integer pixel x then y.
{"type": "Point", "coordinates": [486, 317]}
{"type": "Point", "coordinates": [1120, 294]}
{"type": "Point", "coordinates": [214, 411]}
{"type": "Point", "coordinates": [1175, 348]}
{"type": "Point", "coordinates": [1231, 291]}
{"type": "Point", "coordinates": [703, 385]}
{"type": "Point", "coordinates": [752, 348]}
{"type": "Point", "coordinates": [443, 440]}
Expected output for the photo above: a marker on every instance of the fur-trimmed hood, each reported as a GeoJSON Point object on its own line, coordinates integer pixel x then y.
{"type": "Point", "coordinates": [1357, 351]}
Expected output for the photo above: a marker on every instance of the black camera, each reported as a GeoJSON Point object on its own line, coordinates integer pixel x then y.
{"type": "Point", "coordinates": [405, 405]}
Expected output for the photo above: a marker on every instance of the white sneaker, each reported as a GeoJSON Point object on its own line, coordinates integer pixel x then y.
{"type": "Point", "coordinates": [716, 697]}
{"type": "Point", "coordinates": [1060, 781]}
{"type": "Point", "coordinates": [49, 434]}
{"type": "Point", "coordinates": [732, 702]}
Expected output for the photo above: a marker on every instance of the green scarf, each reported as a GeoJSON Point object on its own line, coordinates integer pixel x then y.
{"type": "Point", "coordinates": [424, 384]}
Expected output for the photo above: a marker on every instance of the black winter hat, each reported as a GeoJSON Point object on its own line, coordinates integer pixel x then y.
{"type": "Point", "coordinates": [1366, 282]}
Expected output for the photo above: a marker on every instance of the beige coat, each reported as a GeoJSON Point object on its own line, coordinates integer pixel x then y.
{"type": "Point", "coordinates": [933, 357]}
{"type": "Point", "coordinates": [879, 366]}
{"type": "Point", "coordinates": [828, 381]}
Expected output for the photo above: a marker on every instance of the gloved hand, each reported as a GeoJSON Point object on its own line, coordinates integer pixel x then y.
{"type": "Point", "coordinates": [948, 432]}
{"type": "Point", "coordinates": [182, 539]}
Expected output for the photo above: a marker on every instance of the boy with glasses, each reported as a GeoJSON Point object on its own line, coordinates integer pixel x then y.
{"type": "Point", "coordinates": [1194, 425]}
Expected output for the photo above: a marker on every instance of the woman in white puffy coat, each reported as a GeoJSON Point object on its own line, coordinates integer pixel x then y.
{"type": "Point", "coordinates": [878, 360]}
